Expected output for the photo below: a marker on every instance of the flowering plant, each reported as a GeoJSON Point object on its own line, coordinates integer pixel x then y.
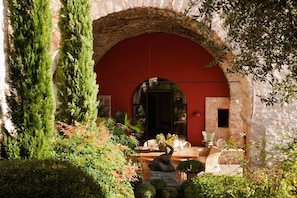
{"type": "Point", "coordinates": [169, 139]}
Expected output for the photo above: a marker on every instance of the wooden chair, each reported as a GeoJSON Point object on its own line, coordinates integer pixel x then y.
{"type": "Point", "coordinates": [150, 143]}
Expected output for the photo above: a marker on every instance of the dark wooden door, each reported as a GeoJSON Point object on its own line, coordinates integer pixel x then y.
{"type": "Point", "coordinates": [159, 112]}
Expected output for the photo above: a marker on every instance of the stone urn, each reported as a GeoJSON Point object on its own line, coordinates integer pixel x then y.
{"type": "Point", "coordinates": [208, 138]}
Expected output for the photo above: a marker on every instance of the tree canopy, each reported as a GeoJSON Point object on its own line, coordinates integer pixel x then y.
{"type": "Point", "coordinates": [263, 33]}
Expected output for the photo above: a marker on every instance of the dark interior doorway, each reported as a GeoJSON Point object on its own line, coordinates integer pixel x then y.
{"type": "Point", "coordinates": [161, 107]}
{"type": "Point", "coordinates": [159, 112]}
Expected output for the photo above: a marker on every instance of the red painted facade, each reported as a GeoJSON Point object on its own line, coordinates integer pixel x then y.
{"type": "Point", "coordinates": [132, 61]}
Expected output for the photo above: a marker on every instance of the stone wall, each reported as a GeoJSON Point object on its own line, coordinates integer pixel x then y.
{"type": "Point", "coordinates": [2, 60]}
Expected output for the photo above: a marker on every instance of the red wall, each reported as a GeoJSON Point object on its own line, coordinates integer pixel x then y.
{"type": "Point", "coordinates": [134, 60]}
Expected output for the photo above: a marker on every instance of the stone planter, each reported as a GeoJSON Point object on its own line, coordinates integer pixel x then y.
{"type": "Point", "coordinates": [190, 176]}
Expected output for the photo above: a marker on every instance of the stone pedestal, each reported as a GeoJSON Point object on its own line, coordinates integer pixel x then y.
{"type": "Point", "coordinates": [169, 177]}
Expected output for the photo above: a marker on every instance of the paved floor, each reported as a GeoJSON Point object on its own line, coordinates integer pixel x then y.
{"type": "Point", "coordinates": [232, 169]}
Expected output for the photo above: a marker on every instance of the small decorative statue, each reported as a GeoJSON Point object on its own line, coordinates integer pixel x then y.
{"type": "Point", "coordinates": [163, 162]}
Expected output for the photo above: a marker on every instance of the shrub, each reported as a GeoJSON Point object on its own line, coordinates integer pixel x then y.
{"type": "Point", "coordinates": [123, 132]}
{"type": "Point", "coordinates": [159, 185]}
{"type": "Point", "coordinates": [289, 167]}
{"type": "Point", "coordinates": [169, 192]}
{"type": "Point", "coordinates": [135, 183]}
{"type": "Point", "coordinates": [280, 179]}
{"type": "Point", "coordinates": [36, 178]}
{"type": "Point", "coordinates": [95, 153]}
{"type": "Point", "coordinates": [183, 187]}
{"type": "Point", "coordinates": [217, 186]}
{"type": "Point", "coordinates": [190, 166]}
{"type": "Point", "coordinates": [145, 190]}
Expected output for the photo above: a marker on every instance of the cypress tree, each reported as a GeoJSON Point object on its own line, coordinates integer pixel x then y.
{"type": "Point", "coordinates": [31, 100]}
{"type": "Point", "coordinates": [76, 80]}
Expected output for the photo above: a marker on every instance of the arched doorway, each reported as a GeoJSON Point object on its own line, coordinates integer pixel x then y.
{"type": "Point", "coordinates": [117, 25]}
{"type": "Point", "coordinates": [162, 108]}
{"type": "Point", "coordinates": [129, 63]}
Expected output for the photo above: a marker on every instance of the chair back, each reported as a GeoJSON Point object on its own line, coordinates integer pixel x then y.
{"type": "Point", "coordinates": [212, 163]}
{"type": "Point", "coordinates": [150, 143]}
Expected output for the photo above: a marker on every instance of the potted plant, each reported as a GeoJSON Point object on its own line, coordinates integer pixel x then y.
{"type": "Point", "coordinates": [190, 167]}
{"type": "Point", "coordinates": [162, 141]}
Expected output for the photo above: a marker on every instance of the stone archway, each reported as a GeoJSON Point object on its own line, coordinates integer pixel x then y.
{"type": "Point", "coordinates": [117, 26]}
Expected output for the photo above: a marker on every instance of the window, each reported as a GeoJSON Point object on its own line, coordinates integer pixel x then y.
{"type": "Point", "coordinates": [223, 118]}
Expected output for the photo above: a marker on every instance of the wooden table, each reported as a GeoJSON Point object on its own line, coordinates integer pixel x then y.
{"type": "Point", "coordinates": [184, 154]}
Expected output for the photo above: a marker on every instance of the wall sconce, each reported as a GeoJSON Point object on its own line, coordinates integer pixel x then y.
{"type": "Point", "coordinates": [196, 114]}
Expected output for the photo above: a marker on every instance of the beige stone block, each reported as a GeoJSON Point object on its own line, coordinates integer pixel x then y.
{"type": "Point", "coordinates": [232, 156]}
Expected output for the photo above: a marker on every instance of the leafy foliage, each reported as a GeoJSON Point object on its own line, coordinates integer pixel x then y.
{"type": "Point", "coordinates": [169, 192]}
{"type": "Point", "coordinates": [76, 80]}
{"type": "Point", "coordinates": [31, 99]}
{"type": "Point", "coordinates": [123, 131]}
{"type": "Point", "coordinates": [183, 187]}
{"type": "Point", "coordinates": [119, 135]}
{"type": "Point", "coordinates": [277, 180]}
{"type": "Point", "coordinates": [162, 141]}
{"type": "Point", "coordinates": [190, 166]}
{"type": "Point", "coordinates": [145, 190]}
{"type": "Point", "coordinates": [264, 36]}
{"type": "Point", "coordinates": [285, 168]}
{"type": "Point", "coordinates": [220, 186]}
{"type": "Point", "coordinates": [159, 185]}
{"type": "Point", "coordinates": [95, 153]}
{"type": "Point", "coordinates": [45, 178]}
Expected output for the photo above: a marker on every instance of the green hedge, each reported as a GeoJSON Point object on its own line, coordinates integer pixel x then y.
{"type": "Point", "coordinates": [219, 186]}
{"type": "Point", "coordinates": [145, 190]}
{"type": "Point", "coordinates": [228, 186]}
{"type": "Point", "coordinates": [47, 178]}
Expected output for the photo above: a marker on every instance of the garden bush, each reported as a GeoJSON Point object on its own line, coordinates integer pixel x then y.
{"type": "Point", "coordinates": [159, 185]}
{"type": "Point", "coordinates": [135, 183]}
{"type": "Point", "coordinates": [95, 153]}
{"type": "Point", "coordinates": [123, 132]}
{"type": "Point", "coordinates": [264, 183]}
{"type": "Point", "coordinates": [183, 187]}
{"type": "Point", "coordinates": [169, 192]}
{"type": "Point", "coordinates": [289, 166]}
{"type": "Point", "coordinates": [280, 179]}
{"type": "Point", "coordinates": [220, 186]}
{"type": "Point", "coordinates": [45, 178]}
{"type": "Point", "coordinates": [145, 190]}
